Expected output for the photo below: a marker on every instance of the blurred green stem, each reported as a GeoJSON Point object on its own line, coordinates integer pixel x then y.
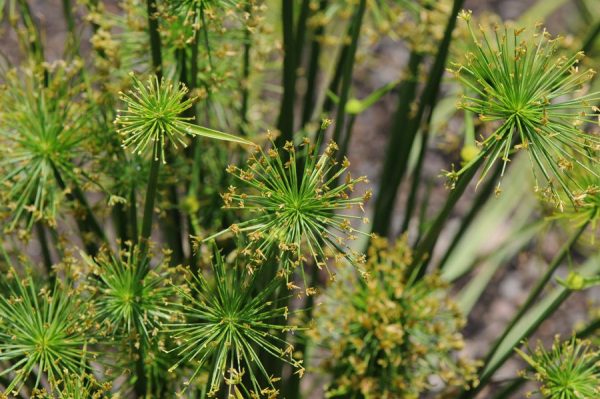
{"type": "Point", "coordinates": [155, 44]}
{"type": "Point", "coordinates": [348, 62]}
{"type": "Point", "coordinates": [313, 69]}
{"type": "Point", "coordinates": [285, 122]}
{"type": "Point", "coordinates": [405, 127]}
{"type": "Point", "coordinates": [46, 256]}
{"type": "Point", "coordinates": [73, 41]}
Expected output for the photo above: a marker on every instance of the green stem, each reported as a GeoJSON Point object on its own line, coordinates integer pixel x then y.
{"type": "Point", "coordinates": [349, 62]}
{"type": "Point", "coordinates": [293, 384]}
{"type": "Point", "coordinates": [119, 217]}
{"type": "Point", "coordinates": [151, 190]}
{"type": "Point", "coordinates": [73, 41]}
{"type": "Point", "coordinates": [141, 383]}
{"type": "Point", "coordinates": [477, 205]}
{"type": "Point", "coordinates": [590, 40]}
{"type": "Point", "coordinates": [416, 183]}
{"type": "Point", "coordinates": [46, 256]}
{"type": "Point", "coordinates": [537, 290]}
{"type": "Point", "coordinates": [89, 222]}
{"type": "Point", "coordinates": [133, 215]}
{"type": "Point", "coordinates": [313, 69]}
{"type": "Point", "coordinates": [245, 82]}
{"type": "Point", "coordinates": [346, 140]}
{"type": "Point", "coordinates": [155, 44]}
{"type": "Point", "coordinates": [35, 45]}
{"type": "Point", "coordinates": [285, 122]}
{"type": "Point", "coordinates": [406, 128]}
{"type": "Point", "coordinates": [301, 31]}
{"type": "Point", "coordinates": [398, 150]}
{"type": "Point", "coordinates": [425, 247]}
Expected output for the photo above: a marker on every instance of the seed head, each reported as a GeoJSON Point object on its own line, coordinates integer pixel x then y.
{"type": "Point", "coordinates": [45, 123]}
{"type": "Point", "coordinates": [380, 328]}
{"type": "Point", "coordinates": [42, 330]}
{"type": "Point", "coordinates": [129, 296]}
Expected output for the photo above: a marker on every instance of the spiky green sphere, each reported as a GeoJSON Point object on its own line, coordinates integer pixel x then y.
{"type": "Point", "coordinates": [533, 99]}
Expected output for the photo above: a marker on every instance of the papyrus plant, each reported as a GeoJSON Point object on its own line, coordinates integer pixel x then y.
{"type": "Point", "coordinates": [147, 254]}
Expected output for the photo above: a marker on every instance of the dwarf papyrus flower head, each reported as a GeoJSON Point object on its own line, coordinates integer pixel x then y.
{"type": "Point", "coordinates": [300, 204]}
{"type": "Point", "coordinates": [42, 330]}
{"type": "Point", "coordinates": [82, 385]}
{"type": "Point", "coordinates": [224, 322]}
{"type": "Point", "coordinates": [569, 370]}
{"type": "Point", "coordinates": [45, 122]}
{"type": "Point", "coordinates": [387, 335]}
{"type": "Point", "coordinates": [130, 296]}
{"type": "Point", "coordinates": [533, 98]}
{"type": "Point", "coordinates": [154, 117]}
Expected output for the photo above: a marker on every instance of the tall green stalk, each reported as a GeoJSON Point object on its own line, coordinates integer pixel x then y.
{"type": "Point", "coordinates": [349, 62]}
{"type": "Point", "coordinates": [313, 70]}
{"type": "Point", "coordinates": [488, 372]}
{"type": "Point", "coordinates": [146, 231]}
{"type": "Point", "coordinates": [73, 42]}
{"type": "Point", "coordinates": [155, 42]}
{"type": "Point", "coordinates": [537, 290]}
{"type": "Point", "coordinates": [406, 128]}
{"type": "Point", "coordinates": [426, 245]}
{"type": "Point", "coordinates": [285, 122]}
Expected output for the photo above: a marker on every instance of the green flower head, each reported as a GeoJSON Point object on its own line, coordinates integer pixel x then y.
{"type": "Point", "coordinates": [130, 297]}
{"type": "Point", "coordinates": [42, 330]}
{"type": "Point", "coordinates": [44, 124]}
{"type": "Point", "coordinates": [532, 98]}
{"type": "Point", "coordinates": [569, 370]}
{"type": "Point", "coordinates": [153, 116]}
{"type": "Point", "coordinates": [225, 323]}
{"type": "Point", "coordinates": [298, 208]}
{"type": "Point", "coordinates": [80, 385]}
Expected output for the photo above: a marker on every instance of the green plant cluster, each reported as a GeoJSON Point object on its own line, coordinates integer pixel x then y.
{"type": "Point", "coordinates": [179, 216]}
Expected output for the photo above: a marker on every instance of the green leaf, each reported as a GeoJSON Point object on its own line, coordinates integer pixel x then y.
{"type": "Point", "coordinates": [216, 135]}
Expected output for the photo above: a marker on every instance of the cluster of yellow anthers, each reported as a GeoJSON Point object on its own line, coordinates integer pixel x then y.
{"type": "Point", "coordinates": [388, 323]}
